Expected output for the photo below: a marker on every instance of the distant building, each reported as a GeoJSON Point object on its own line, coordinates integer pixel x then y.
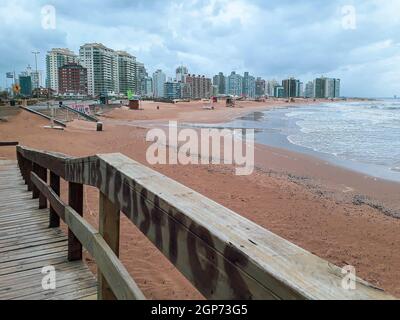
{"type": "Point", "coordinates": [159, 79]}
{"type": "Point", "coordinates": [181, 74]}
{"type": "Point", "coordinates": [126, 73]}
{"type": "Point", "coordinates": [249, 86]}
{"type": "Point", "coordinates": [55, 59]}
{"type": "Point", "coordinates": [270, 86]}
{"type": "Point", "coordinates": [172, 90]}
{"type": "Point", "coordinates": [279, 91]}
{"type": "Point", "coordinates": [291, 88]}
{"type": "Point", "coordinates": [35, 76]}
{"type": "Point", "coordinates": [147, 87]}
{"type": "Point", "coordinates": [235, 84]}
{"type": "Point", "coordinates": [102, 69]}
{"type": "Point", "coordinates": [215, 91]}
{"type": "Point", "coordinates": [260, 87]}
{"type": "Point", "coordinates": [25, 83]}
{"type": "Point", "coordinates": [220, 82]}
{"type": "Point", "coordinates": [327, 88]}
{"type": "Point", "coordinates": [72, 80]}
{"type": "Point", "coordinates": [186, 91]}
{"type": "Point", "coordinates": [337, 88]}
{"type": "Point", "coordinates": [301, 89]}
{"type": "Point", "coordinates": [200, 86]}
{"type": "Point", "coordinates": [309, 90]}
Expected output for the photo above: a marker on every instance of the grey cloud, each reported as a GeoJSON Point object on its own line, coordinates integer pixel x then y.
{"type": "Point", "coordinates": [268, 38]}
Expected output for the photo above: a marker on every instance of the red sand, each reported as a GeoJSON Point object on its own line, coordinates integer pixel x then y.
{"type": "Point", "coordinates": [311, 207]}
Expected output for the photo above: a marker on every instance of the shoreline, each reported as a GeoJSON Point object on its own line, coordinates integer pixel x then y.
{"type": "Point", "coordinates": [304, 200]}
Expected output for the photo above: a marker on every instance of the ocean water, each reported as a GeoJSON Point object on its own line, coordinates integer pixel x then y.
{"type": "Point", "coordinates": [361, 136]}
{"type": "Point", "coordinates": [360, 132]}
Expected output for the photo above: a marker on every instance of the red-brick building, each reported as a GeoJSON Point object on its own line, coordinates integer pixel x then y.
{"type": "Point", "coordinates": [72, 79]}
{"type": "Point", "coordinates": [200, 86]}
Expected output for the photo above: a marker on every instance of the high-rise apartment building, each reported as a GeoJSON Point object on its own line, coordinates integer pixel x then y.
{"type": "Point", "coordinates": [291, 88]}
{"type": "Point", "coordinates": [159, 79]}
{"type": "Point", "coordinates": [235, 84]}
{"type": "Point", "coordinates": [327, 88]}
{"type": "Point", "coordinates": [279, 91]}
{"type": "Point", "coordinates": [309, 90]}
{"type": "Point", "coordinates": [126, 72]}
{"type": "Point", "coordinates": [260, 87]}
{"type": "Point", "coordinates": [55, 59]}
{"type": "Point", "coordinates": [25, 82]}
{"type": "Point", "coordinates": [270, 87]}
{"type": "Point", "coordinates": [181, 74]}
{"type": "Point", "coordinates": [249, 86]}
{"type": "Point", "coordinates": [102, 69]}
{"type": "Point", "coordinates": [220, 82]}
{"type": "Point", "coordinates": [200, 86]}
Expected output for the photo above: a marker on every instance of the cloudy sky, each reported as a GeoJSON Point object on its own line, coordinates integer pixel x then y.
{"type": "Point", "coordinates": [356, 40]}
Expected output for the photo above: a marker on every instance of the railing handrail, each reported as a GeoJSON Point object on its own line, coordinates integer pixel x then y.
{"type": "Point", "coordinates": [222, 253]}
{"type": "Point", "coordinates": [82, 114]}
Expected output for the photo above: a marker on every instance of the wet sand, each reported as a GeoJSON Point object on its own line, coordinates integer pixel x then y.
{"type": "Point", "coordinates": [314, 204]}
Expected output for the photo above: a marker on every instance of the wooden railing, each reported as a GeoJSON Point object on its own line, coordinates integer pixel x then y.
{"type": "Point", "coordinates": [224, 255]}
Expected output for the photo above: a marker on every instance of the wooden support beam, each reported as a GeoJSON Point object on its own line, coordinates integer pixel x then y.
{"type": "Point", "coordinates": [54, 221]}
{"type": "Point", "coordinates": [28, 170]}
{"type": "Point", "coordinates": [35, 190]}
{"type": "Point", "coordinates": [42, 174]}
{"type": "Point", "coordinates": [109, 228]}
{"type": "Point", "coordinates": [75, 193]}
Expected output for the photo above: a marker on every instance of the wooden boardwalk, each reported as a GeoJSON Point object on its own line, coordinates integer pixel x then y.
{"type": "Point", "coordinates": [27, 245]}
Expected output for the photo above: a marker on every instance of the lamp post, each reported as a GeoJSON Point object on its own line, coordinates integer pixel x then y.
{"type": "Point", "coordinates": [36, 65]}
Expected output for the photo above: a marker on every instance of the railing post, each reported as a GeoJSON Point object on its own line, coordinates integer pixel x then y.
{"type": "Point", "coordinates": [20, 164]}
{"type": "Point", "coordinates": [109, 225]}
{"type": "Point", "coordinates": [35, 190]}
{"type": "Point", "coordinates": [54, 221]}
{"type": "Point", "coordinates": [28, 168]}
{"type": "Point", "coordinates": [75, 195]}
{"type": "Point", "coordinates": [42, 175]}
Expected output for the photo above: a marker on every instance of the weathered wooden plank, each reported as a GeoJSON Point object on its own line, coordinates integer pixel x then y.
{"type": "Point", "coordinates": [32, 244]}
{"type": "Point", "coordinates": [34, 237]}
{"type": "Point", "coordinates": [54, 219]}
{"type": "Point", "coordinates": [16, 222]}
{"type": "Point", "coordinates": [78, 294]}
{"type": "Point", "coordinates": [109, 229]}
{"type": "Point", "coordinates": [35, 262]}
{"type": "Point", "coordinates": [75, 195]}
{"type": "Point", "coordinates": [36, 292]}
{"type": "Point", "coordinates": [31, 276]}
{"type": "Point", "coordinates": [21, 216]}
{"type": "Point", "coordinates": [29, 233]}
{"type": "Point", "coordinates": [33, 252]}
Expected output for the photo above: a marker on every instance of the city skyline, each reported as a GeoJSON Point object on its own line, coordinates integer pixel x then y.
{"type": "Point", "coordinates": [221, 37]}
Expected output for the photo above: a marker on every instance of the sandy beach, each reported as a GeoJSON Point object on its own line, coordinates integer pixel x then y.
{"type": "Point", "coordinates": [342, 216]}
